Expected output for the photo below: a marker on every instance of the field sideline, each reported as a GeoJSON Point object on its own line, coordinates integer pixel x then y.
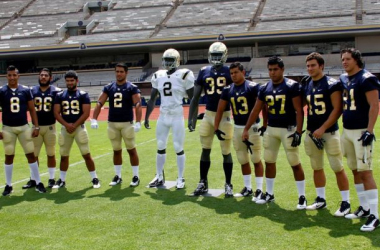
{"type": "Point", "coordinates": [80, 217]}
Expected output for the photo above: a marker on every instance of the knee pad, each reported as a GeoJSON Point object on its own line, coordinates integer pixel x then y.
{"type": "Point", "coordinates": [293, 156]}
{"type": "Point", "coordinates": [111, 133]}
{"type": "Point", "coordinates": [256, 156]}
{"type": "Point", "coordinates": [51, 139]}
{"type": "Point", "coordinates": [206, 141]}
{"type": "Point", "coordinates": [9, 149]}
{"type": "Point", "coordinates": [82, 137]}
{"type": "Point", "coordinates": [226, 147]}
{"type": "Point", "coordinates": [242, 157]}
{"type": "Point", "coordinates": [128, 132]}
{"type": "Point", "coordinates": [270, 156]}
{"type": "Point", "coordinates": [7, 137]}
{"type": "Point", "coordinates": [61, 140]}
{"type": "Point", "coordinates": [227, 128]}
{"type": "Point", "coordinates": [205, 129]}
{"type": "Point", "coordinates": [178, 147]}
{"type": "Point", "coordinates": [333, 147]}
{"type": "Point", "coordinates": [161, 144]}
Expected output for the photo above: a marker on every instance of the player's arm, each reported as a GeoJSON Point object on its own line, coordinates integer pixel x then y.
{"type": "Point", "coordinates": [150, 106]}
{"type": "Point", "coordinates": [264, 113]}
{"type": "Point", "coordinates": [297, 104]}
{"type": "Point", "coordinates": [337, 103]}
{"type": "Point", "coordinates": [98, 108]}
{"type": "Point", "coordinates": [136, 99]}
{"type": "Point", "coordinates": [193, 112]}
{"type": "Point", "coordinates": [373, 101]}
{"type": "Point", "coordinates": [86, 113]}
{"type": "Point", "coordinates": [57, 115]}
{"type": "Point", "coordinates": [252, 118]}
{"type": "Point", "coordinates": [219, 113]}
{"type": "Point", "coordinates": [33, 115]}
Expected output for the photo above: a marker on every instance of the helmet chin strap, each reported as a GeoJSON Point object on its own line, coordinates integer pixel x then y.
{"type": "Point", "coordinates": [171, 71]}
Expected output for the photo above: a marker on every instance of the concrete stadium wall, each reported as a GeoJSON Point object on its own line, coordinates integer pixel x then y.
{"type": "Point", "coordinates": [368, 44]}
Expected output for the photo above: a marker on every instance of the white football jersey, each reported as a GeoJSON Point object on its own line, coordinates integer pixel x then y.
{"type": "Point", "coordinates": [172, 87]}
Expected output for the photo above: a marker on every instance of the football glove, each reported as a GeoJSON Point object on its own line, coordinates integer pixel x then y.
{"type": "Point", "coordinates": [191, 129]}
{"type": "Point", "coordinates": [248, 144]}
{"type": "Point", "coordinates": [367, 138]}
{"type": "Point", "coordinates": [137, 126]}
{"type": "Point", "coordinates": [200, 116]}
{"type": "Point", "coordinates": [219, 134]}
{"type": "Point", "coordinates": [317, 142]}
{"type": "Point", "coordinates": [296, 138]}
{"type": "Point", "coordinates": [146, 124]}
{"type": "Point", "coordinates": [94, 124]}
{"type": "Point", "coordinates": [262, 130]}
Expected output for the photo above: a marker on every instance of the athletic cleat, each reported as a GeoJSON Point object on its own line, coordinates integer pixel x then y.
{"type": "Point", "coordinates": [180, 183]}
{"type": "Point", "coordinates": [31, 183]}
{"type": "Point", "coordinates": [51, 183]}
{"type": "Point", "coordinates": [344, 209]}
{"type": "Point", "coordinates": [245, 192]}
{"type": "Point", "coordinates": [359, 213]}
{"type": "Point", "coordinates": [116, 180]}
{"type": "Point", "coordinates": [265, 198]}
{"type": "Point", "coordinates": [228, 188]}
{"type": "Point", "coordinates": [257, 195]}
{"type": "Point", "coordinates": [202, 188]}
{"type": "Point", "coordinates": [7, 190]}
{"type": "Point", "coordinates": [156, 182]}
{"type": "Point", "coordinates": [371, 224]}
{"type": "Point", "coordinates": [319, 203]}
{"type": "Point", "coordinates": [135, 181]}
{"type": "Point", "coordinates": [40, 188]}
{"type": "Point", "coordinates": [95, 183]}
{"type": "Point", "coordinates": [302, 203]}
{"type": "Point", "coordinates": [59, 184]}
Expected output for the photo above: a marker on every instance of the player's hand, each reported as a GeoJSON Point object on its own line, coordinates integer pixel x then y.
{"type": "Point", "coordinates": [248, 144]}
{"type": "Point", "coordinates": [262, 130]}
{"type": "Point", "coordinates": [94, 124]}
{"type": "Point", "coordinates": [244, 135]}
{"type": "Point", "coordinates": [367, 138]}
{"type": "Point", "coordinates": [35, 132]}
{"type": "Point", "coordinates": [317, 141]}
{"type": "Point", "coordinates": [296, 138]}
{"type": "Point", "coordinates": [137, 127]}
{"type": "Point", "coordinates": [318, 133]}
{"type": "Point", "coordinates": [190, 127]}
{"type": "Point", "coordinates": [146, 124]}
{"type": "Point", "coordinates": [219, 134]}
{"type": "Point", "coordinates": [70, 128]}
{"type": "Point", "coordinates": [1, 135]}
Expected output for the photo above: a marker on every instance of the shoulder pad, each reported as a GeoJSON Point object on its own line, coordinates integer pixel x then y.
{"type": "Point", "coordinates": [203, 68]}
{"type": "Point", "coordinates": [331, 80]}
{"type": "Point", "coordinates": [367, 74]}
{"type": "Point", "coordinates": [82, 92]}
{"type": "Point", "coordinates": [134, 85]}
{"type": "Point", "coordinates": [25, 87]}
{"type": "Point", "coordinates": [290, 82]}
{"type": "Point", "coordinates": [58, 89]}
{"type": "Point", "coordinates": [252, 83]}
{"type": "Point", "coordinates": [109, 84]}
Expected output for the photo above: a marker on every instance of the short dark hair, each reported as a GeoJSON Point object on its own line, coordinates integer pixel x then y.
{"type": "Point", "coordinates": [12, 68]}
{"type": "Point", "coordinates": [316, 56]}
{"type": "Point", "coordinates": [47, 70]}
{"type": "Point", "coordinates": [71, 74]}
{"type": "Point", "coordinates": [355, 53]}
{"type": "Point", "coordinates": [122, 65]}
{"type": "Point", "coordinates": [275, 60]}
{"type": "Point", "coordinates": [237, 65]}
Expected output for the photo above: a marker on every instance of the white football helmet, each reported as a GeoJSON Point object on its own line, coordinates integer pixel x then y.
{"type": "Point", "coordinates": [170, 59]}
{"type": "Point", "coordinates": [217, 53]}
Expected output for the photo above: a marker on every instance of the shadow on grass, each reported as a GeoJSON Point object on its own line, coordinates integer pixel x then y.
{"type": "Point", "coordinates": [62, 195]}
{"type": "Point", "coordinates": [116, 193]}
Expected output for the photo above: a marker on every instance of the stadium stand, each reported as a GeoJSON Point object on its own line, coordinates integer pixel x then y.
{"type": "Point", "coordinates": [10, 8]}
{"type": "Point", "coordinates": [48, 7]}
{"type": "Point", "coordinates": [132, 4]}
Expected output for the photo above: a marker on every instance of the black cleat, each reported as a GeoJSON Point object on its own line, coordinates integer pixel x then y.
{"type": "Point", "coordinates": [31, 183]}
{"type": "Point", "coordinates": [156, 182]}
{"type": "Point", "coordinates": [51, 183]}
{"type": "Point", "coordinates": [135, 181]}
{"type": "Point", "coordinates": [40, 188]}
{"type": "Point", "coordinates": [202, 188]}
{"type": "Point", "coordinates": [228, 190]}
{"type": "Point", "coordinates": [7, 190]}
{"type": "Point", "coordinates": [59, 184]}
{"type": "Point", "coordinates": [116, 180]}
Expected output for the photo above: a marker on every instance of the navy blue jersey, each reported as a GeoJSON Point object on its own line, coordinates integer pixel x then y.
{"type": "Point", "coordinates": [213, 81]}
{"type": "Point", "coordinates": [318, 98]}
{"type": "Point", "coordinates": [14, 104]}
{"type": "Point", "coordinates": [278, 97]}
{"type": "Point", "coordinates": [242, 99]}
{"type": "Point", "coordinates": [356, 107]}
{"type": "Point", "coordinates": [71, 104]}
{"type": "Point", "coordinates": [44, 102]}
{"type": "Point", "coordinates": [120, 101]}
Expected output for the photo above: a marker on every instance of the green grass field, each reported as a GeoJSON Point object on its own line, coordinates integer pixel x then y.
{"type": "Point", "coordinates": [122, 217]}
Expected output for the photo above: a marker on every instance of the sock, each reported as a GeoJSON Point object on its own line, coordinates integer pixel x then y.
{"type": "Point", "coordinates": [181, 165]}
{"type": "Point", "coordinates": [8, 173]}
{"type": "Point", "coordinates": [270, 185]}
{"type": "Point", "coordinates": [228, 172]}
{"type": "Point", "coordinates": [31, 175]}
{"type": "Point", "coordinates": [51, 173]}
{"type": "Point", "coordinates": [247, 181]}
{"type": "Point", "coordinates": [345, 195]}
{"type": "Point", "coordinates": [118, 170]}
{"type": "Point", "coordinates": [259, 183]}
{"type": "Point", "coordinates": [321, 192]}
{"type": "Point", "coordinates": [204, 167]}
{"type": "Point", "coordinates": [373, 200]}
{"type": "Point", "coordinates": [62, 175]}
{"type": "Point", "coordinates": [361, 196]}
{"type": "Point", "coordinates": [93, 174]}
{"type": "Point", "coordinates": [160, 162]}
{"type": "Point", "coordinates": [301, 187]}
{"type": "Point", "coordinates": [35, 172]}
{"type": "Point", "coordinates": [135, 170]}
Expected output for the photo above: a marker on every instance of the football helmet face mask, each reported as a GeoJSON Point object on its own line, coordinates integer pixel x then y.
{"type": "Point", "coordinates": [217, 54]}
{"type": "Point", "coordinates": [170, 59]}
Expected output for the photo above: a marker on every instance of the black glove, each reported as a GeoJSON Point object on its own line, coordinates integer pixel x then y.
{"type": "Point", "coordinates": [248, 144]}
{"type": "Point", "coordinates": [367, 138]}
{"type": "Point", "coordinates": [146, 124]}
{"type": "Point", "coordinates": [219, 134]}
{"type": "Point", "coordinates": [190, 127]}
{"type": "Point", "coordinates": [317, 142]}
{"type": "Point", "coordinates": [262, 130]}
{"type": "Point", "coordinates": [296, 138]}
{"type": "Point", "coordinates": [200, 116]}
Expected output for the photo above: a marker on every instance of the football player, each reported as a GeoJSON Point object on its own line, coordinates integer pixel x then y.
{"type": "Point", "coordinates": [123, 95]}
{"type": "Point", "coordinates": [16, 100]}
{"type": "Point", "coordinates": [285, 119]}
{"type": "Point", "coordinates": [360, 111]}
{"type": "Point", "coordinates": [44, 95]}
{"type": "Point", "coordinates": [323, 96]}
{"type": "Point", "coordinates": [173, 85]}
{"type": "Point", "coordinates": [241, 95]}
{"type": "Point", "coordinates": [212, 79]}
{"type": "Point", "coordinates": [71, 109]}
